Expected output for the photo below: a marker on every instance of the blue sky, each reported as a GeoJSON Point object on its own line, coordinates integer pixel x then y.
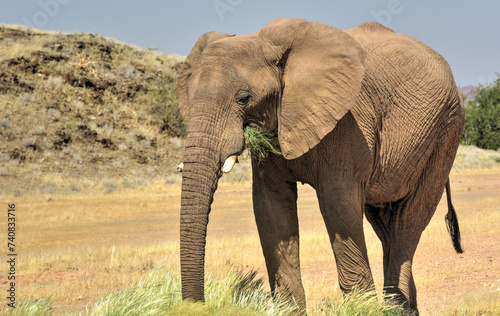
{"type": "Point", "coordinates": [466, 33]}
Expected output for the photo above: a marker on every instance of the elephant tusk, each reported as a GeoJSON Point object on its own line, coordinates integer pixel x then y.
{"type": "Point", "coordinates": [229, 163]}
{"type": "Point", "coordinates": [180, 167]}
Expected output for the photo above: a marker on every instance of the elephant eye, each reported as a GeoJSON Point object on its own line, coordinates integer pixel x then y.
{"type": "Point", "coordinates": [243, 98]}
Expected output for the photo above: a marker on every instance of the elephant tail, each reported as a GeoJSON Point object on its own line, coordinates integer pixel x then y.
{"type": "Point", "coordinates": [452, 221]}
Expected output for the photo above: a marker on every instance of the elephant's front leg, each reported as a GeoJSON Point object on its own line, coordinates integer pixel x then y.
{"type": "Point", "coordinates": [275, 207]}
{"type": "Point", "coordinates": [341, 202]}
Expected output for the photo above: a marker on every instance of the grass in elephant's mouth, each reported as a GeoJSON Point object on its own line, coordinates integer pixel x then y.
{"type": "Point", "coordinates": [261, 143]}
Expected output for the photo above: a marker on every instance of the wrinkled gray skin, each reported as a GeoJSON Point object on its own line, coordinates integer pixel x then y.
{"type": "Point", "coordinates": [371, 119]}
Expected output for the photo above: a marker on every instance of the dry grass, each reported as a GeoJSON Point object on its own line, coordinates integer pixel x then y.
{"type": "Point", "coordinates": [473, 160]}
{"type": "Point", "coordinates": [78, 246]}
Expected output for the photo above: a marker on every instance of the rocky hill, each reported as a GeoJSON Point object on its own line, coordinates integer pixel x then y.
{"type": "Point", "coordinates": [79, 110]}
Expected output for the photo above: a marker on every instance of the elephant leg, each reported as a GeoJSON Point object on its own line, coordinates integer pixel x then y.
{"type": "Point", "coordinates": [399, 245]}
{"type": "Point", "coordinates": [399, 233]}
{"type": "Point", "coordinates": [399, 226]}
{"type": "Point", "coordinates": [275, 208]}
{"type": "Point", "coordinates": [342, 204]}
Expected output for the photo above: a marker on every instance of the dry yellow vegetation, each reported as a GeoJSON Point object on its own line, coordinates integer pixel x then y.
{"type": "Point", "coordinates": [76, 247]}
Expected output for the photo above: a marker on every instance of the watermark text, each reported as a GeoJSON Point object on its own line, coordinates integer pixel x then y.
{"type": "Point", "coordinates": [384, 16]}
{"type": "Point", "coordinates": [221, 7]}
{"type": "Point", "coordinates": [11, 255]}
{"type": "Point", "coordinates": [49, 9]}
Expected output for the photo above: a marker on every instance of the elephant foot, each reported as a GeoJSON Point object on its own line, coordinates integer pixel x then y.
{"type": "Point", "coordinates": [296, 299]}
{"type": "Point", "coordinates": [396, 298]}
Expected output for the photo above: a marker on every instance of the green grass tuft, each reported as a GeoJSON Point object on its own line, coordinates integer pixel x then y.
{"type": "Point", "coordinates": [27, 308]}
{"type": "Point", "coordinates": [361, 304]}
{"type": "Point", "coordinates": [261, 143]}
{"type": "Point", "coordinates": [159, 293]}
{"type": "Point", "coordinates": [154, 294]}
{"type": "Point", "coordinates": [229, 293]}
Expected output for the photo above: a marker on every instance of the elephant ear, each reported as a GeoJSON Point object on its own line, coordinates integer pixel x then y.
{"type": "Point", "coordinates": [181, 85]}
{"type": "Point", "coordinates": [322, 70]}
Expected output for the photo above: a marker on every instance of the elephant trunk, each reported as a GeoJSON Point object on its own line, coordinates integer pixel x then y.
{"type": "Point", "coordinates": [200, 175]}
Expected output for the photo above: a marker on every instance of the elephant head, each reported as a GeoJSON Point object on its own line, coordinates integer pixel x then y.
{"type": "Point", "coordinates": [279, 79]}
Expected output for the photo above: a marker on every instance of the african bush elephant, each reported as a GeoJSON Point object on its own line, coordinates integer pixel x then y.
{"type": "Point", "coordinates": [371, 119]}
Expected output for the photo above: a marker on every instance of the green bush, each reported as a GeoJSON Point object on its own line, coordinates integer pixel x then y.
{"type": "Point", "coordinates": [482, 117]}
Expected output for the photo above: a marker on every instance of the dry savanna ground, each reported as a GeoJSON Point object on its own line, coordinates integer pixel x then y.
{"type": "Point", "coordinates": [75, 247]}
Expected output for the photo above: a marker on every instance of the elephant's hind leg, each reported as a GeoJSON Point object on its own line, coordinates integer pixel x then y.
{"type": "Point", "coordinates": [400, 224]}
{"type": "Point", "coordinates": [399, 242]}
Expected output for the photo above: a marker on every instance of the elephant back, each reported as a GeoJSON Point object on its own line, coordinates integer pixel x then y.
{"type": "Point", "coordinates": [408, 98]}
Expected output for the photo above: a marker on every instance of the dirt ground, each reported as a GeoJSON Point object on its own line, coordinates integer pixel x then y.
{"type": "Point", "coordinates": [445, 281]}
{"type": "Point", "coordinates": [475, 274]}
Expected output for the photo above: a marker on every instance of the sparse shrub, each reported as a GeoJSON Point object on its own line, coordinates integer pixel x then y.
{"type": "Point", "coordinates": [471, 157]}
{"type": "Point", "coordinates": [128, 71]}
{"type": "Point", "coordinates": [134, 182]}
{"type": "Point", "coordinates": [4, 157]}
{"type": "Point", "coordinates": [113, 41]}
{"type": "Point", "coordinates": [131, 137]}
{"type": "Point", "coordinates": [55, 114]}
{"type": "Point", "coordinates": [10, 190]}
{"type": "Point", "coordinates": [28, 83]}
{"type": "Point", "coordinates": [49, 188]}
{"type": "Point", "coordinates": [172, 123]}
{"type": "Point", "coordinates": [164, 110]}
{"type": "Point", "coordinates": [47, 144]}
{"type": "Point", "coordinates": [110, 186]}
{"type": "Point", "coordinates": [145, 143]}
{"type": "Point", "coordinates": [77, 159]}
{"type": "Point", "coordinates": [93, 127]}
{"type": "Point", "coordinates": [26, 98]}
{"type": "Point", "coordinates": [122, 147]}
{"type": "Point", "coordinates": [30, 141]}
{"type": "Point", "coordinates": [69, 150]}
{"type": "Point", "coordinates": [5, 123]}
{"type": "Point", "coordinates": [38, 130]}
{"type": "Point", "coordinates": [117, 164]}
{"type": "Point", "coordinates": [107, 130]}
{"type": "Point", "coordinates": [48, 155]}
{"type": "Point", "coordinates": [35, 168]}
{"type": "Point", "coordinates": [176, 143]}
{"type": "Point", "coordinates": [55, 82]}
{"type": "Point", "coordinates": [7, 41]}
{"type": "Point", "coordinates": [78, 105]}
{"type": "Point", "coordinates": [172, 179]}
{"type": "Point", "coordinates": [75, 187]}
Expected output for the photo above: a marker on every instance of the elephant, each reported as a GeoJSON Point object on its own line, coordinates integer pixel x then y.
{"type": "Point", "coordinates": [369, 118]}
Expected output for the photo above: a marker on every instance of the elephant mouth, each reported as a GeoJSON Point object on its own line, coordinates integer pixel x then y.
{"type": "Point", "coordinates": [260, 142]}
